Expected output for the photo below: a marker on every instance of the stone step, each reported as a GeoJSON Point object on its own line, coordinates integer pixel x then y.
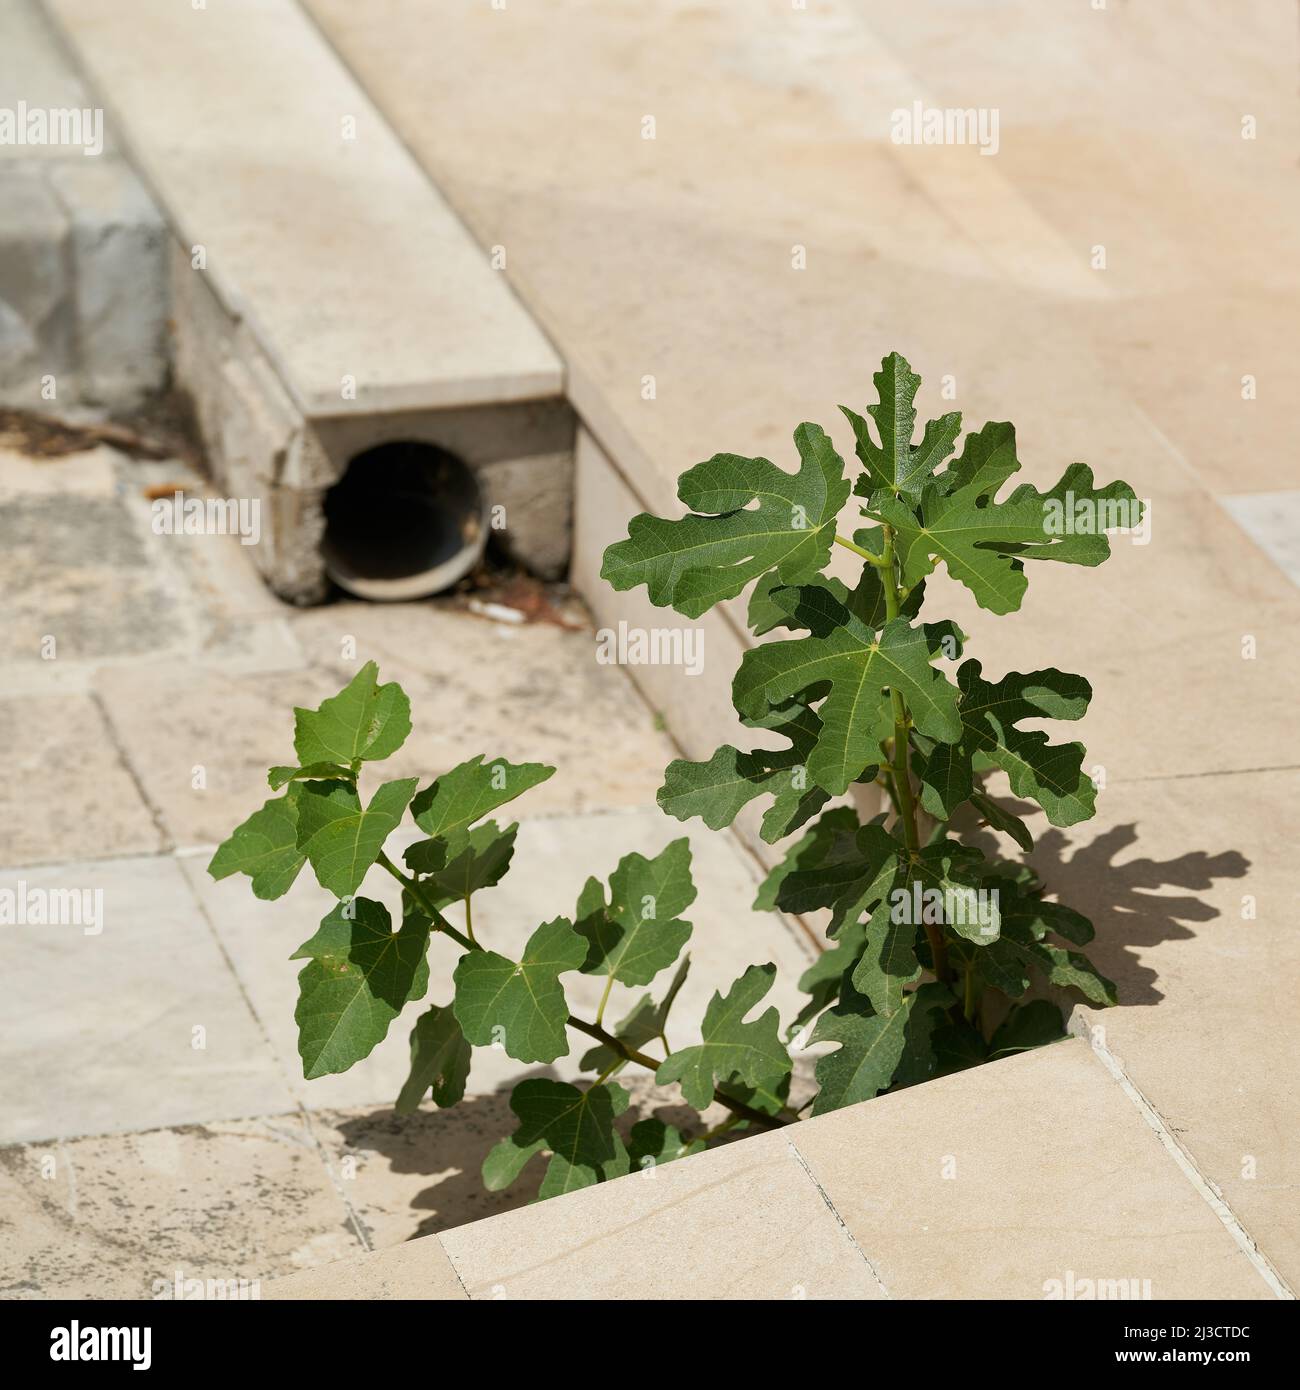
{"type": "Point", "coordinates": [326, 301]}
{"type": "Point", "coordinates": [1029, 1178]}
{"type": "Point", "coordinates": [317, 226]}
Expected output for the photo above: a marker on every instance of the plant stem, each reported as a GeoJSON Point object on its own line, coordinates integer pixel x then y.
{"type": "Point", "coordinates": [879, 561]}
{"type": "Point", "coordinates": [902, 770]}
{"type": "Point", "coordinates": [717, 1130]}
{"type": "Point", "coordinates": [604, 999]}
{"type": "Point", "coordinates": [414, 889]}
{"type": "Point", "coordinates": [469, 920]}
{"type": "Point", "coordinates": [737, 1107]}
{"type": "Point", "coordinates": [592, 1030]}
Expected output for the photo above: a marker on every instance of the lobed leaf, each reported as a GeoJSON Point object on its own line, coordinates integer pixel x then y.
{"type": "Point", "coordinates": [997, 817]}
{"type": "Point", "coordinates": [1050, 774]}
{"type": "Point", "coordinates": [965, 533]}
{"type": "Point", "coordinates": [731, 1048]}
{"type": "Point", "coordinates": [831, 836]}
{"type": "Point", "coordinates": [467, 793]}
{"type": "Point", "coordinates": [859, 666]}
{"type": "Point", "coordinates": [575, 1126]}
{"type": "Point", "coordinates": [440, 1061]}
{"type": "Point", "coordinates": [875, 1048]}
{"type": "Point", "coordinates": [464, 862]}
{"type": "Point", "coordinates": [638, 932]}
{"type": "Point", "coordinates": [984, 542]}
{"type": "Point", "coordinates": [364, 722]}
{"type": "Point", "coordinates": [988, 458]}
{"type": "Point", "coordinates": [520, 1005]}
{"type": "Point", "coordinates": [719, 789]}
{"type": "Point", "coordinates": [265, 847]}
{"type": "Point", "coordinates": [822, 980]}
{"type": "Point", "coordinates": [692, 563]}
{"type": "Point", "coordinates": [1022, 950]}
{"type": "Point", "coordinates": [361, 974]}
{"type": "Point", "coordinates": [768, 610]}
{"type": "Point", "coordinates": [893, 465]}
{"type": "Point", "coordinates": [340, 837]}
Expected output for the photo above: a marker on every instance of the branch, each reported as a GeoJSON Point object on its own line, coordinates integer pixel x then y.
{"type": "Point", "coordinates": [592, 1030]}
{"type": "Point", "coordinates": [878, 560]}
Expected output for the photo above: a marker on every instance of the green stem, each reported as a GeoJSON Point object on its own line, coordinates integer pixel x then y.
{"type": "Point", "coordinates": [414, 889]}
{"type": "Point", "coordinates": [469, 920]}
{"type": "Point", "coordinates": [902, 770]}
{"type": "Point", "coordinates": [610, 1070]}
{"type": "Point", "coordinates": [730, 1123]}
{"type": "Point", "coordinates": [604, 998]}
{"type": "Point", "coordinates": [737, 1107]}
{"type": "Point", "coordinates": [879, 561]}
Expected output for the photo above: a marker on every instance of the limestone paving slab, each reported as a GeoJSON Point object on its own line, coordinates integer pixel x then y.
{"type": "Point", "coordinates": [652, 255]}
{"type": "Point", "coordinates": [319, 228]}
{"type": "Point", "coordinates": [105, 600]}
{"type": "Point", "coordinates": [1023, 1179]}
{"type": "Point", "coordinates": [741, 1222]}
{"type": "Point", "coordinates": [1167, 174]}
{"type": "Point", "coordinates": [122, 592]}
{"type": "Point", "coordinates": [532, 692]}
{"type": "Point", "coordinates": [553, 858]}
{"type": "Point", "coordinates": [689, 265]}
{"type": "Point", "coordinates": [69, 794]}
{"type": "Point", "coordinates": [1272, 521]}
{"type": "Point", "coordinates": [1186, 881]}
{"type": "Point", "coordinates": [136, 1216]}
{"type": "Point", "coordinates": [129, 1020]}
{"type": "Point", "coordinates": [418, 1270]}
{"type": "Point", "coordinates": [995, 1182]}
{"type": "Point", "coordinates": [201, 740]}
{"type": "Point", "coordinates": [408, 1176]}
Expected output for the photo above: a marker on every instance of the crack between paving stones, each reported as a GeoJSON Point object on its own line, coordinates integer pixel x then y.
{"type": "Point", "coordinates": [155, 814]}
{"type": "Point", "coordinates": [455, 1269]}
{"type": "Point", "coordinates": [359, 1227]}
{"type": "Point", "coordinates": [1205, 1187]}
{"type": "Point", "coordinates": [1220, 772]}
{"type": "Point", "coordinates": [843, 1225]}
{"type": "Point", "coordinates": [353, 1218]}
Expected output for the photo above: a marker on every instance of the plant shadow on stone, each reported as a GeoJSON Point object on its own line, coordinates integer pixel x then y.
{"type": "Point", "coordinates": [1127, 900]}
{"type": "Point", "coordinates": [939, 942]}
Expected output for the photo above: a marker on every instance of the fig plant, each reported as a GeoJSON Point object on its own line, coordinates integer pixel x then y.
{"type": "Point", "coordinates": [933, 944]}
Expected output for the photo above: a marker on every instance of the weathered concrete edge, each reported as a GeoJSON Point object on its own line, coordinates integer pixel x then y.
{"type": "Point", "coordinates": [541, 384]}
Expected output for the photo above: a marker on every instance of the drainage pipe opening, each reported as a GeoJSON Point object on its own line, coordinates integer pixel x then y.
{"type": "Point", "coordinates": [406, 520]}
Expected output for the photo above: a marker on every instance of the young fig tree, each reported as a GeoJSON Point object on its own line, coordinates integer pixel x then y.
{"type": "Point", "coordinates": [934, 945]}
